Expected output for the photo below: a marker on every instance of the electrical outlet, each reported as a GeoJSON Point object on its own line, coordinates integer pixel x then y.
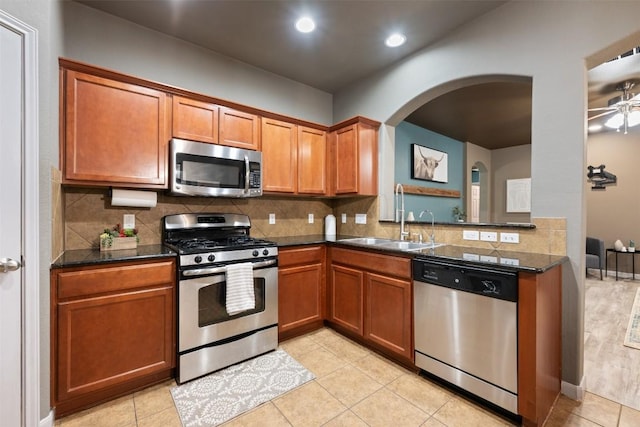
{"type": "Point", "coordinates": [272, 218]}
{"type": "Point", "coordinates": [488, 258]}
{"type": "Point", "coordinates": [470, 235]}
{"type": "Point", "coordinates": [361, 218]}
{"type": "Point", "coordinates": [470, 257]}
{"type": "Point", "coordinates": [128, 222]}
{"type": "Point", "coordinates": [509, 261]}
{"type": "Point", "coordinates": [344, 218]}
{"type": "Point", "coordinates": [510, 237]}
{"type": "Point", "coordinates": [489, 236]}
{"type": "Point", "coordinates": [310, 218]}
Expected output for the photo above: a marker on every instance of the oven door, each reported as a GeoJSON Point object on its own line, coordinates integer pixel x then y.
{"type": "Point", "coordinates": [202, 315]}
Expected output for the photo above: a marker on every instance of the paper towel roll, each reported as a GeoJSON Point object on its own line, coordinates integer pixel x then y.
{"type": "Point", "coordinates": [134, 198]}
{"type": "Point", "coordinates": [330, 226]}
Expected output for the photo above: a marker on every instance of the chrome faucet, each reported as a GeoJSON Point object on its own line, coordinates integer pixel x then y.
{"type": "Point", "coordinates": [432, 236]}
{"type": "Point", "coordinates": [400, 210]}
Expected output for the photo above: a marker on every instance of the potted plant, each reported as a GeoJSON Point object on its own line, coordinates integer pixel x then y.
{"type": "Point", "coordinates": [458, 214]}
{"type": "Point", "coordinates": [118, 238]}
{"type": "Point", "coordinates": [632, 246]}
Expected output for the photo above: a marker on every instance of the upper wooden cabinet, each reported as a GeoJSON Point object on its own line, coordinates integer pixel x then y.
{"type": "Point", "coordinates": [239, 129]}
{"type": "Point", "coordinates": [115, 133]}
{"type": "Point", "coordinates": [215, 124]}
{"type": "Point", "coordinates": [354, 147]}
{"type": "Point", "coordinates": [195, 120]}
{"type": "Point", "coordinates": [312, 164]}
{"type": "Point", "coordinates": [279, 156]}
{"type": "Point", "coordinates": [293, 158]}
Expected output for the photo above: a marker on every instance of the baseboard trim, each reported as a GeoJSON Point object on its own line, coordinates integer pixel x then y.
{"type": "Point", "coordinates": [48, 420]}
{"type": "Point", "coordinates": [572, 391]}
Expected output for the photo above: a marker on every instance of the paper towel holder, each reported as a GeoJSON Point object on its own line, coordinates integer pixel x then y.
{"type": "Point", "coordinates": [133, 198]}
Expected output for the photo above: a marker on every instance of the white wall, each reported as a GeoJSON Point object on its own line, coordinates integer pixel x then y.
{"type": "Point", "coordinates": [508, 163]}
{"type": "Point", "coordinates": [551, 42]}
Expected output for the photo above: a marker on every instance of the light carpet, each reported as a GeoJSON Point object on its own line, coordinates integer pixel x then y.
{"type": "Point", "coordinates": [218, 397]}
{"type": "Point", "coordinates": [632, 337]}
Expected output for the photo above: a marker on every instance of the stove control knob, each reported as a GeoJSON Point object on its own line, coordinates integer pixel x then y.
{"type": "Point", "coordinates": [255, 253]}
{"type": "Point", "coordinates": [265, 252]}
{"type": "Point", "coordinates": [198, 259]}
{"type": "Point", "coordinates": [211, 257]}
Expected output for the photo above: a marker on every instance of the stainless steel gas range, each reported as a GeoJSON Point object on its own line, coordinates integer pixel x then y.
{"type": "Point", "coordinates": [210, 247]}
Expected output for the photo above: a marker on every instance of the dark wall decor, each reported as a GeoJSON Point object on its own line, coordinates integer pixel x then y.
{"type": "Point", "coordinates": [429, 164]}
{"type": "Point", "coordinates": [599, 177]}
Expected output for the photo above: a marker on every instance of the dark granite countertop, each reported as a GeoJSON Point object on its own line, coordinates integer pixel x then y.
{"type": "Point", "coordinates": [83, 257]}
{"type": "Point", "coordinates": [518, 261]}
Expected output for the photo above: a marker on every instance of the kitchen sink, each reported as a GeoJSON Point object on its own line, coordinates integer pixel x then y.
{"type": "Point", "coordinates": [408, 246]}
{"type": "Point", "coordinates": [389, 244]}
{"type": "Point", "coordinates": [368, 241]}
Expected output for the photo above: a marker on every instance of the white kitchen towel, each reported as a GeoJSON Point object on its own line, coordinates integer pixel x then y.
{"type": "Point", "coordinates": [240, 295]}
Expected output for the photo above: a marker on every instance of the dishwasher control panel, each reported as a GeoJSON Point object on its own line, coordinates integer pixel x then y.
{"type": "Point", "coordinates": [490, 282]}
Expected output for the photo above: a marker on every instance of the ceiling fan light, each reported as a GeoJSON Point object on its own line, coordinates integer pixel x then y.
{"type": "Point", "coordinates": [615, 122]}
{"type": "Point", "coordinates": [634, 118]}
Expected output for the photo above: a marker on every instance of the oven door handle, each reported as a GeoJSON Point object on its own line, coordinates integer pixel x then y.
{"type": "Point", "coordinates": [220, 270]}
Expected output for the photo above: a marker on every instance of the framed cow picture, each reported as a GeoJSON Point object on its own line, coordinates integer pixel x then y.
{"type": "Point", "coordinates": [429, 164]}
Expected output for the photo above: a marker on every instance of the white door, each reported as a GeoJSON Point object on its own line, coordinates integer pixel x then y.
{"type": "Point", "coordinates": [11, 275]}
{"type": "Point", "coordinates": [475, 203]}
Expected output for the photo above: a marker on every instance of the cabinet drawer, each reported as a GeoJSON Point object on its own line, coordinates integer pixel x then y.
{"type": "Point", "coordinates": [117, 278]}
{"type": "Point", "coordinates": [300, 255]}
{"type": "Point", "coordinates": [386, 264]}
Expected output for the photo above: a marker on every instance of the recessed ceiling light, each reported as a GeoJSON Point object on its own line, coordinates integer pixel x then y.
{"type": "Point", "coordinates": [305, 24]}
{"type": "Point", "coordinates": [595, 128]}
{"type": "Point", "coordinates": [395, 40]}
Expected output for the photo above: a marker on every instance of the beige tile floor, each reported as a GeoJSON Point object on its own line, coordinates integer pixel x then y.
{"type": "Point", "coordinates": [353, 387]}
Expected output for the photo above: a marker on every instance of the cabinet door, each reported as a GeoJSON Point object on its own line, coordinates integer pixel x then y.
{"type": "Point", "coordinates": [388, 319]}
{"type": "Point", "coordinates": [346, 160]}
{"type": "Point", "coordinates": [279, 156]}
{"type": "Point", "coordinates": [107, 340]}
{"type": "Point", "coordinates": [115, 133]}
{"type": "Point", "coordinates": [195, 120]}
{"type": "Point", "coordinates": [299, 296]}
{"type": "Point", "coordinates": [346, 299]}
{"type": "Point", "coordinates": [312, 166]}
{"type": "Point", "coordinates": [239, 129]}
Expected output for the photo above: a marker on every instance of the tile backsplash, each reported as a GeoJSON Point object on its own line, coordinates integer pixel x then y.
{"type": "Point", "coordinates": [88, 212]}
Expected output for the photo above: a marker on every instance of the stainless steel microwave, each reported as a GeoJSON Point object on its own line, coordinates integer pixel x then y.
{"type": "Point", "coordinates": [200, 169]}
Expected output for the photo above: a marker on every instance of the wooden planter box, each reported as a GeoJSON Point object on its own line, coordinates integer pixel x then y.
{"type": "Point", "coordinates": [120, 243]}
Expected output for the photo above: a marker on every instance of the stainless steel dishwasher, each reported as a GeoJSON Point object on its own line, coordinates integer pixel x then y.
{"type": "Point", "coordinates": [466, 327]}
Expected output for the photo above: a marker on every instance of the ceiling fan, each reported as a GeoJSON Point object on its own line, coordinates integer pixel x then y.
{"type": "Point", "coordinates": [626, 108]}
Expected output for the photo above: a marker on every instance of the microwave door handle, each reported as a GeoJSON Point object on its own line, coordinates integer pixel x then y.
{"type": "Point", "coordinates": [247, 175]}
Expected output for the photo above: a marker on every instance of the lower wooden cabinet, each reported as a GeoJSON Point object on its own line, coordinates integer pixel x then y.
{"type": "Point", "coordinates": [112, 331]}
{"type": "Point", "coordinates": [301, 290]}
{"type": "Point", "coordinates": [388, 313]}
{"type": "Point", "coordinates": [539, 344]}
{"type": "Point", "coordinates": [370, 296]}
